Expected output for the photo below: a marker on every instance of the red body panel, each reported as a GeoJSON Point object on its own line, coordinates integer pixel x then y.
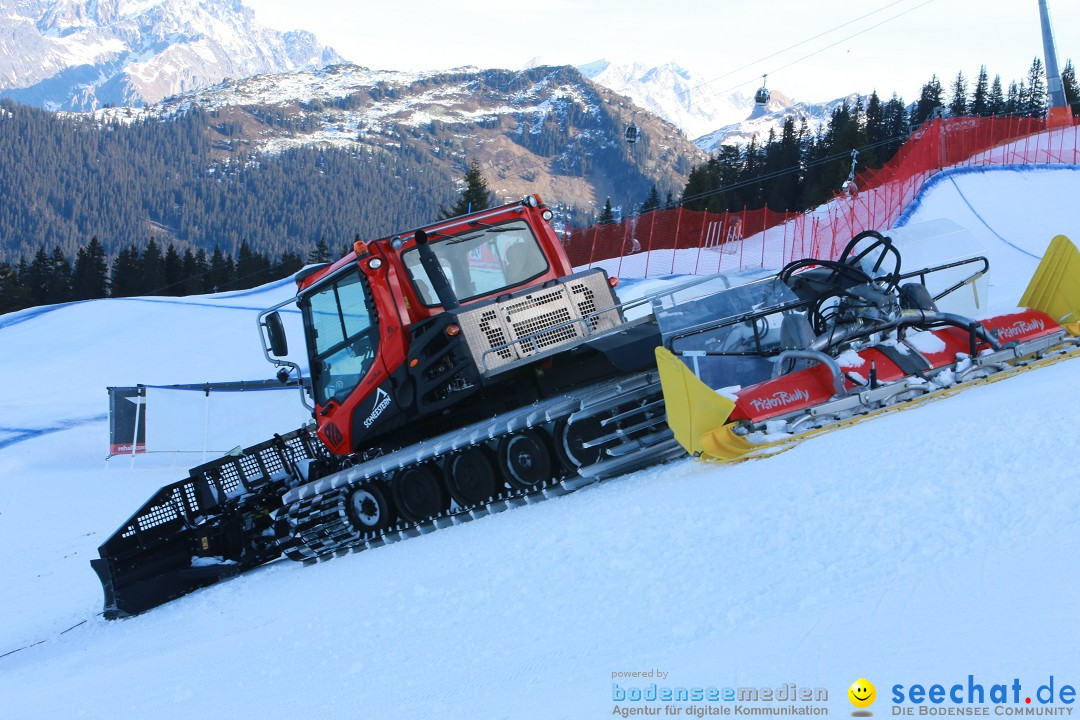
{"type": "Point", "coordinates": [814, 385]}
{"type": "Point", "coordinates": [398, 305]}
{"type": "Point", "coordinates": [411, 305]}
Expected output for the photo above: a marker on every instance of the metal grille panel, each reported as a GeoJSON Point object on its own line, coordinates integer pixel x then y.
{"type": "Point", "coordinates": [160, 514]}
{"type": "Point", "coordinates": [507, 331]}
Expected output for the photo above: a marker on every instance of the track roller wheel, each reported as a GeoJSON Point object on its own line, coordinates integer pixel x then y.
{"type": "Point", "coordinates": [418, 494]}
{"type": "Point", "coordinates": [469, 477]}
{"type": "Point", "coordinates": [367, 508]}
{"type": "Point", "coordinates": [523, 459]}
{"type": "Point", "coordinates": [569, 440]}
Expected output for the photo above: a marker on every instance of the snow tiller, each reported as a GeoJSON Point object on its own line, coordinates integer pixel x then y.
{"type": "Point", "coordinates": [463, 368]}
{"type": "Point", "coordinates": [825, 344]}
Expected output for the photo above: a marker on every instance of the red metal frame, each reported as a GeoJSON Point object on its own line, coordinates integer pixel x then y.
{"type": "Point", "coordinates": [814, 385]}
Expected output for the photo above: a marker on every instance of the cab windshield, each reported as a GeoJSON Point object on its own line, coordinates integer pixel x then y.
{"type": "Point", "coordinates": [483, 262]}
{"type": "Point", "coordinates": [338, 321]}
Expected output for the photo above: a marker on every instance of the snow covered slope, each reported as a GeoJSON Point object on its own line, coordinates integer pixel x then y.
{"type": "Point", "coordinates": [921, 547]}
{"type": "Point", "coordinates": [674, 93]}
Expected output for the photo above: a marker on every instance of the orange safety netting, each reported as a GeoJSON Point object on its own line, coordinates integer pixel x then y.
{"type": "Point", "coordinates": [686, 241]}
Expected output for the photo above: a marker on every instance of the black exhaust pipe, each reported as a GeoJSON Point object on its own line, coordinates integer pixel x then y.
{"type": "Point", "coordinates": [431, 264]}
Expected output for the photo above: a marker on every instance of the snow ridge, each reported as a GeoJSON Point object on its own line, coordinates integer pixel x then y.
{"type": "Point", "coordinates": [84, 54]}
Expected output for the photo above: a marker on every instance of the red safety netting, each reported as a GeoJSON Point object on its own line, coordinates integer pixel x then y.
{"type": "Point", "coordinates": [690, 242]}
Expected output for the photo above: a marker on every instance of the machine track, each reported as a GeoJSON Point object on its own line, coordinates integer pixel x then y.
{"type": "Point", "coordinates": [627, 413]}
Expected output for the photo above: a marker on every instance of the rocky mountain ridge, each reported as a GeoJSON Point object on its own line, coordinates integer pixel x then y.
{"type": "Point", "coordinates": [85, 54]}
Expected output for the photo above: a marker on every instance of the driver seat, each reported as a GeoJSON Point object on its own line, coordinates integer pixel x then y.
{"type": "Point", "coordinates": [796, 333]}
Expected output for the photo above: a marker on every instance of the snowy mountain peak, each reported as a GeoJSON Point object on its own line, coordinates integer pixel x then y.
{"type": "Point", "coordinates": [82, 54]}
{"type": "Point", "coordinates": [676, 94]}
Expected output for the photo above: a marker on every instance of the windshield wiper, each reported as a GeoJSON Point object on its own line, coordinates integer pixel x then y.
{"type": "Point", "coordinates": [465, 238]}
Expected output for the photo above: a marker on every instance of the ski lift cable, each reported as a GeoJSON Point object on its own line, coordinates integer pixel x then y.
{"type": "Point", "coordinates": [821, 50]}
{"type": "Point", "coordinates": [804, 42]}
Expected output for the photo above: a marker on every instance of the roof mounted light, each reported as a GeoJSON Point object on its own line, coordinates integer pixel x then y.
{"type": "Point", "coordinates": [396, 242]}
{"type": "Point", "coordinates": [531, 201]}
{"type": "Point", "coordinates": [547, 214]}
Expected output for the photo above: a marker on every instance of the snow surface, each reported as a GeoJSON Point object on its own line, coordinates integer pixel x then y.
{"type": "Point", "coordinates": [917, 548]}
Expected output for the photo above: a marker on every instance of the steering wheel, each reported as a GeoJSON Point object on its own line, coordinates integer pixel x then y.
{"type": "Point", "coordinates": [818, 289]}
{"type": "Point", "coordinates": [887, 282]}
{"type": "Point", "coordinates": [854, 274]}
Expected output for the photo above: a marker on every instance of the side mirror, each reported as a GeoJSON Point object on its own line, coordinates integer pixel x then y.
{"type": "Point", "coordinates": [275, 330]}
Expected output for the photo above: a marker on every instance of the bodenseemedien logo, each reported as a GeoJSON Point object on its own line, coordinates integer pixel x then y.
{"type": "Point", "coordinates": [862, 695]}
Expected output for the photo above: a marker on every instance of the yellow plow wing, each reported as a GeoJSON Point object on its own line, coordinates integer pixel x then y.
{"type": "Point", "coordinates": [693, 408]}
{"type": "Point", "coordinates": [1055, 287]}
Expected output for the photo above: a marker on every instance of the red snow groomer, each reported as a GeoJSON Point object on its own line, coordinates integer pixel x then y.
{"type": "Point", "coordinates": [462, 368]}
{"type": "Point", "coordinates": [825, 344]}
{"type": "Point", "coordinates": [456, 369]}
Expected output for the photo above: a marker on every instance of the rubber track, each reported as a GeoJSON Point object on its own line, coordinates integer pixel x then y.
{"type": "Point", "coordinates": [316, 513]}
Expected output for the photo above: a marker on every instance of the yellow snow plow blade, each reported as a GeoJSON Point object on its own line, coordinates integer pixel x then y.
{"type": "Point", "coordinates": [693, 408]}
{"type": "Point", "coordinates": [1055, 286]}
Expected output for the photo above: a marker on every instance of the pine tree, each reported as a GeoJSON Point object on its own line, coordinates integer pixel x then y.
{"type": "Point", "coordinates": [153, 269]}
{"type": "Point", "coordinates": [90, 279]}
{"type": "Point", "coordinates": [251, 267]}
{"type": "Point", "coordinates": [127, 273]}
{"type": "Point", "coordinates": [173, 272]}
{"type": "Point", "coordinates": [958, 105]}
{"type": "Point", "coordinates": [1035, 100]}
{"type": "Point", "coordinates": [897, 126]}
{"type": "Point", "coordinates": [290, 263]}
{"type": "Point", "coordinates": [13, 294]}
{"type": "Point", "coordinates": [980, 99]}
{"type": "Point", "coordinates": [220, 273]}
{"type": "Point", "coordinates": [59, 284]}
{"type": "Point", "coordinates": [190, 284]}
{"type": "Point", "coordinates": [1071, 87]}
{"type": "Point", "coordinates": [607, 217]}
{"type": "Point", "coordinates": [476, 195]}
{"type": "Point", "coordinates": [652, 202]}
{"type": "Point", "coordinates": [996, 104]}
{"type": "Point", "coordinates": [320, 253]}
{"type": "Point", "coordinates": [1014, 101]}
{"type": "Point", "coordinates": [929, 101]}
{"type": "Point", "coordinates": [38, 277]}
{"type": "Point", "coordinates": [698, 182]}
{"type": "Point", "coordinates": [876, 131]}
{"type": "Point", "coordinates": [197, 280]}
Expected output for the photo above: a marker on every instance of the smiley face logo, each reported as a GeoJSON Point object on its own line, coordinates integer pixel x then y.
{"type": "Point", "coordinates": [862, 693]}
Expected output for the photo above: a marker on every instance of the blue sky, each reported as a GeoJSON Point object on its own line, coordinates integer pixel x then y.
{"type": "Point", "coordinates": [897, 44]}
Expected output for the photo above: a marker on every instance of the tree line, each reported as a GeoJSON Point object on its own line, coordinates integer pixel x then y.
{"type": "Point", "coordinates": [800, 168]}
{"type": "Point", "coordinates": [189, 181]}
{"type": "Point", "coordinates": [53, 277]}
